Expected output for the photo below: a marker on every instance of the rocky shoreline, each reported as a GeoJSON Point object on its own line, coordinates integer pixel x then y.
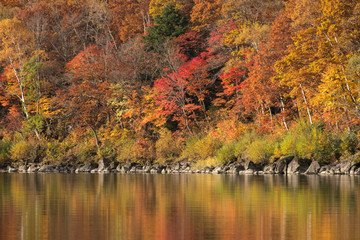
{"type": "Point", "coordinates": [285, 165]}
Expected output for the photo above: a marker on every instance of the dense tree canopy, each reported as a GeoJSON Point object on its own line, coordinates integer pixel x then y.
{"type": "Point", "coordinates": [123, 71]}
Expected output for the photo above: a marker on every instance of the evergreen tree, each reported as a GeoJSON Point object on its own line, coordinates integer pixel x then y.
{"type": "Point", "coordinates": [167, 26]}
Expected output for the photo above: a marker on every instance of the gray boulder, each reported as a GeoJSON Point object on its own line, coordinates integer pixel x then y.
{"type": "Point", "coordinates": [101, 166]}
{"type": "Point", "coordinates": [176, 166]}
{"type": "Point", "coordinates": [217, 170]}
{"type": "Point", "coordinates": [234, 168]}
{"type": "Point", "coordinates": [48, 169]}
{"type": "Point", "coordinates": [297, 167]}
{"type": "Point", "coordinates": [118, 168]}
{"type": "Point", "coordinates": [282, 164]}
{"type": "Point", "coordinates": [22, 169]}
{"type": "Point", "coordinates": [313, 168]}
{"type": "Point", "coordinates": [326, 170]}
{"type": "Point", "coordinates": [208, 170]}
{"type": "Point", "coordinates": [11, 169]}
{"type": "Point", "coordinates": [249, 165]}
{"type": "Point", "coordinates": [346, 166]}
{"type": "Point", "coordinates": [146, 169]}
{"type": "Point", "coordinates": [84, 168]}
{"type": "Point", "coordinates": [67, 169]}
{"type": "Point", "coordinates": [112, 167]}
{"type": "Point", "coordinates": [249, 172]}
{"type": "Point", "coordinates": [335, 169]}
{"type": "Point", "coordinates": [156, 168]}
{"type": "Point", "coordinates": [186, 170]}
{"type": "Point", "coordinates": [32, 169]}
{"type": "Point", "coordinates": [293, 167]}
{"type": "Point", "coordinates": [270, 168]}
{"type": "Point", "coordinates": [353, 169]}
{"type": "Point", "coordinates": [136, 169]}
{"type": "Point", "coordinates": [129, 168]}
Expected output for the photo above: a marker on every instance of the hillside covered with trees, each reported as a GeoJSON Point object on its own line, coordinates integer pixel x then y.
{"type": "Point", "coordinates": [210, 81]}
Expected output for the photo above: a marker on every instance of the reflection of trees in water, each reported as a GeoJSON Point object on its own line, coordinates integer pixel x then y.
{"type": "Point", "coordinates": [86, 206]}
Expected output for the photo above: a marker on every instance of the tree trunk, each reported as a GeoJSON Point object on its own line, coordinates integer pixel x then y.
{"type": "Point", "coordinates": [306, 103]}
{"type": "Point", "coordinates": [96, 138]}
{"type": "Point", "coordinates": [282, 110]}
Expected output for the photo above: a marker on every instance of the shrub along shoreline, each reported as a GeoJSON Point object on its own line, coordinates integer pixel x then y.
{"type": "Point", "coordinates": [228, 148]}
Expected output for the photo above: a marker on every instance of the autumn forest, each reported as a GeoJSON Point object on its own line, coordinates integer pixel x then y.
{"type": "Point", "coordinates": [209, 81]}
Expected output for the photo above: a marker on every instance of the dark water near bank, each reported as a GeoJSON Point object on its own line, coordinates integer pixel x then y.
{"type": "Point", "coordinates": [87, 206]}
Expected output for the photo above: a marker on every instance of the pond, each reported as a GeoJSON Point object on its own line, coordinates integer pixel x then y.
{"type": "Point", "coordinates": [114, 206]}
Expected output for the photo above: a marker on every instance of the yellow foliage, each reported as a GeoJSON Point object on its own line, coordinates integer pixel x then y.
{"type": "Point", "coordinates": [204, 13]}
{"type": "Point", "coordinates": [167, 147]}
{"type": "Point", "coordinates": [156, 7]}
{"type": "Point", "coordinates": [23, 151]}
{"type": "Point", "coordinates": [201, 148]}
{"type": "Point", "coordinates": [46, 108]}
{"type": "Point", "coordinates": [245, 36]}
{"type": "Point", "coordinates": [208, 162]}
{"type": "Point", "coordinates": [16, 40]}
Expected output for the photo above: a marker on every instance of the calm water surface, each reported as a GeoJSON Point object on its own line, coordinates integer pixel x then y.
{"type": "Point", "coordinates": [86, 206]}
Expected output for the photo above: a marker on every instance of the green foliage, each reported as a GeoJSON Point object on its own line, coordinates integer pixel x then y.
{"type": "Point", "coordinates": [308, 142]}
{"type": "Point", "coordinates": [56, 151]}
{"type": "Point", "coordinates": [208, 162]}
{"type": "Point", "coordinates": [226, 153]}
{"type": "Point", "coordinates": [260, 151]}
{"type": "Point", "coordinates": [353, 66]}
{"type": "Point", "coordinates": [124, 150]}
{"type": "Point", "coordinates": [349, 143]}
{"type": "Point", "coordinates": [32, 67]}
{"type": "Point", "coordinates": [167, 147]}
{"type": "Point", "coordinates": [108, 152]}
{"type": "Point", "coordinates": [6, 12]}
{"type": "Point", "coordinates": [31, 73]}
{"type": "Point", "coordinates": [242, 144]}
{"type": "Point", "coordinates": [85, 152]}
{"type": "Point", "coordinates": [201, 148]}
{"type": "Point", "coordinates": [288, 146]}
{"type": "Point", "coordinates": [26, 151]}
{"type": "Point", "coordinates": [251, 146]}
{"type": "Point", "coordinates": [167, 26]}
{"type": "Point", "coordinates": [4, 152]}
{"type": "Point", "coordinates": [37, 122]}
{"type": "Point", "coordinates": [135, 150]}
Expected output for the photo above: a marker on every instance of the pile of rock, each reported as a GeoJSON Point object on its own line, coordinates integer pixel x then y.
{"type": "Point", "coordinates": [284, 165]}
